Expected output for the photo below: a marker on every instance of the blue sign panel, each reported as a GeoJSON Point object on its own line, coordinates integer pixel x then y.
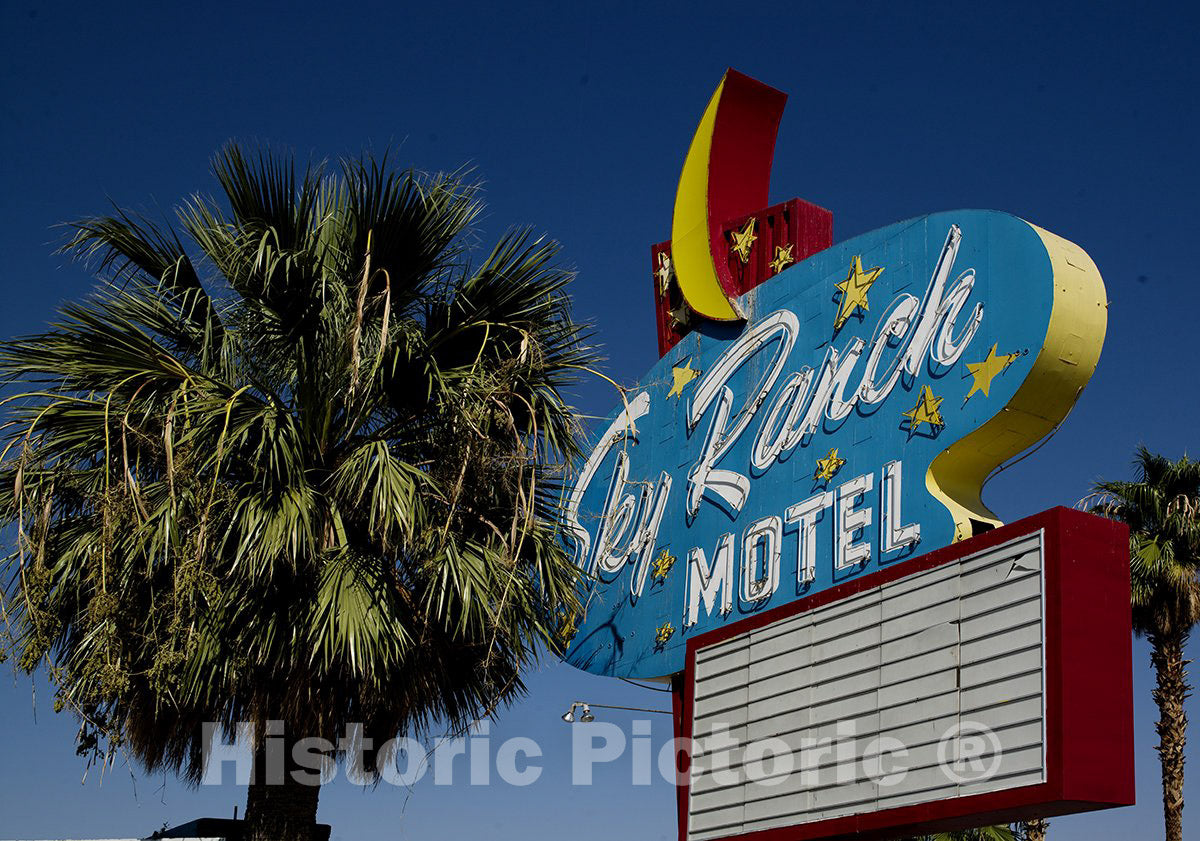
{"type": "Point", "coordinates": [847, 425]}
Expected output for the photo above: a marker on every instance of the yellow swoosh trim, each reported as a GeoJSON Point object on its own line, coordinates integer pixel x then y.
{"type": "Point", "coordinates": [1065, 363]}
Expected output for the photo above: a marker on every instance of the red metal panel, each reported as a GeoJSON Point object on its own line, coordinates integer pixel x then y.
{"type": "Point", "coordinates": [806, 227]}
{"type": "Point", "coordinates": [681, 705]}
{"type": "Point", "coordinates": [743, 148]}
{"type": "Point", "coordinates": [1088, 685]}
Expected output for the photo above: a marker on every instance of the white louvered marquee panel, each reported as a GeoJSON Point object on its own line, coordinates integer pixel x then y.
{"type": "Point", "coordinates": [914, 660]}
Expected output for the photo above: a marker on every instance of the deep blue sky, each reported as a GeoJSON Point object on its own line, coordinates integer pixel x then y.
{"type": "Point", "coordinates": [1079, 119]}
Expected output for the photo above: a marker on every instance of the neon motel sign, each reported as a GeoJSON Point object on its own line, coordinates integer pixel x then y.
{"type": "Point", "coordinates": [820, 426]}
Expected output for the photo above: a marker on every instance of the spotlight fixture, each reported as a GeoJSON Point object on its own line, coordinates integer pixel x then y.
{"type": "Point", "coordinates": [586, 717]}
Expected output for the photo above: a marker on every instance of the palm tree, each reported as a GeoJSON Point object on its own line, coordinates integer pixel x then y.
{"type": "Point", "coordinates": [1034, 829]}
{"type": "Point", "coordinates": [303, 469]}
{"type": "Point", "coordinates": [983, 833]}
{"type": "Point", "coordinates": [1162, 509]}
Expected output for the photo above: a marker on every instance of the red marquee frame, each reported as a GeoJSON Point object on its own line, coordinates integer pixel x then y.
{"type": "Point", "coordinates": [1088, 685]}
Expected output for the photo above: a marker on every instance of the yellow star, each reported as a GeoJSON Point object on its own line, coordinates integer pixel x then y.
{"type": "Point", "coordinates": [742, 240]}
{"type": "Point", "coordinates": [680, 318]}
{"type": "Point", "coordinates": [783, 257]}
{"type": "Point", "coordinates": [829, 465]}
{"type": "Point", "coordinates": [984, 372]}
{"type": "Point", "coordinates": [663, 633]}
{"type": "Point", "coordinates": [682, 375]}
{"type": "Point", "coordinates": [854, 291]}
{"type": "Point", "coordinates": [662, 564]}
{"type": "Point", "coordinates": [926, 411]}
{"type": "Point", "coordinates": [664, 272]}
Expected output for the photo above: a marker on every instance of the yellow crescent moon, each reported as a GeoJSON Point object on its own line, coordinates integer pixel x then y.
{"type": "Point", "coordinates": [726, 174]}
{"type": "Point", "coordinates": [695, 268]}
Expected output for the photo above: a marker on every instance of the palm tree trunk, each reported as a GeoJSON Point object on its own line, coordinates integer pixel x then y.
{"type": "Point", "coordinates": [1035, 830]}
{"type": "Point", "coordinates": [1170, 693]}
{"type": "Point", "coordinates": [278, 806]}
